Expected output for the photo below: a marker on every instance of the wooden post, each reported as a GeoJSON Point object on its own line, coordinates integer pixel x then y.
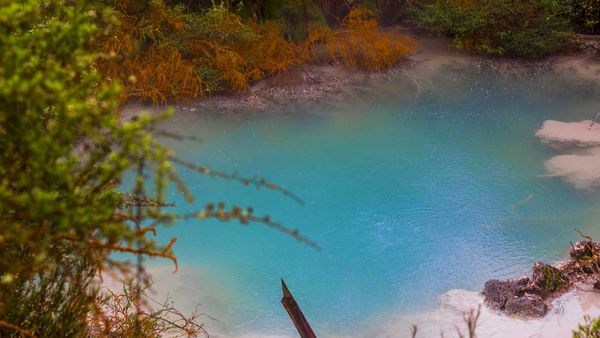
{"type": "Point", "coordinates": [293, 310]}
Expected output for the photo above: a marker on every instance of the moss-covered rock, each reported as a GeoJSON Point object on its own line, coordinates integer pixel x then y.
{"type": "Point", "coordinates": [547, 278]}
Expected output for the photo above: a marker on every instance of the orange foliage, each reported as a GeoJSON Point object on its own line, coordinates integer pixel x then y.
{"type": "Point", "coordinates": [146, 67]}
{"type": "Point", "coordinates": [164, 55]}
{"type": "Point", "coordinates": [143, 56]}
{"type": "Point", "coordinates": [133, 313]}
{"type": "Point", "coordinates": [273, 53]}
{"type": "Point", "coordinates": [243, 60]}
{"type": "Point", "coordinates": [359, 43]}
{"type": "Point", "coordinates": [158, 74]}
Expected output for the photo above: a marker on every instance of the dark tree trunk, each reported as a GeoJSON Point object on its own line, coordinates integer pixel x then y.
{"type": "Point", "coordinates": [391, 10]}
{"type": "Point", "coordinates": [334, 10]}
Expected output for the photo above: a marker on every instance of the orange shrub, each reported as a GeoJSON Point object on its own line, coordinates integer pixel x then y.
{"type": "Point", "coordinates": [140, 55]}
{"type": "Point", "coordinates": [359, 43]}
{"type": "Point", "coordinates": [160, 54]}
{"type": "Point", "coordinates": [242, 51]}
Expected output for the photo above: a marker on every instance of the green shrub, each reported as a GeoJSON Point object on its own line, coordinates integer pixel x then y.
{"type": "Point", "coordinates": [497, 27]}
{"type": "Point", "coordinates": [63, 153]}
{"type": "Point", "coordinates": [586, 15]}
{"type": "Point", "coordinates": [295, 16]}
{"type": "Point", "coordinates": [589, 329]}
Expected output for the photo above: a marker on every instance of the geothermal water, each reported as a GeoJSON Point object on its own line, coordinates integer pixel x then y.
{"type": "Point", "coordinates": [409, 194]}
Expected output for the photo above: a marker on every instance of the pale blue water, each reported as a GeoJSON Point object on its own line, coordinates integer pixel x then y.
{"type": "Point", "coordinates": [408, 195]}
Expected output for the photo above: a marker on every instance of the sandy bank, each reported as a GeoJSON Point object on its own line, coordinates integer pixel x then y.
{"type": "Point", "coordinates": [567, 311]}
{"type": "Point", "coordinates": [327, 84]}
{"type": "Point", "coordinates": [189, 288]}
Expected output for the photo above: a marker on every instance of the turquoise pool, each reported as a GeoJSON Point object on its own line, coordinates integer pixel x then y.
{"type": "Point", "coordinates": [409, 194]}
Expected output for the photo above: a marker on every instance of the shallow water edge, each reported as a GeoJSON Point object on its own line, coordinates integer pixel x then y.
{"type": "Point", "coordinates": [319, 84]}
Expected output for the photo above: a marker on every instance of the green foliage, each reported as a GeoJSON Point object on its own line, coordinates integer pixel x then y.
{"type": "Point", "coordinates": [55, 303]}
{"type": "Point", "coordinates": [64, 152]}
{"type": "Point", "coordinates": [497, 27]}
{"type": "Point", "coordinates": [586, 15]}
{"type": "Point", "coordinates": [295, 16]}
{"type": "Point", "coordinates": [554, 280]}
{"type": "Point", "coordinates": [219, 25]}
{"type": "Point", "coordinates": [589, 329]}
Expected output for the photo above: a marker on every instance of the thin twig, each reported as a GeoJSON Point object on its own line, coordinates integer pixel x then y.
{"type": "Point", "coordinates": [255, 181]}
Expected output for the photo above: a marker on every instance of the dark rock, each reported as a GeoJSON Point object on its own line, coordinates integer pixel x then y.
{"type": "Point", "coordinates": [497, 292]}
{"type": "Point", "coordinates": [528, 297]}
{"type": "Point", "coordinates": [576, 271]}
{"type": "Point", "coordinates": [546, 279]}
{"type": "Point", "coordinates": [526, 306]}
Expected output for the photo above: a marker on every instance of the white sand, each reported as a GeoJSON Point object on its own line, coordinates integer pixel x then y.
{"type": "Point", "coordinates": [566, 312]}
{"type": "Point", "coordinates": [188, 287]}
{"type": "Point", "coordinates": [580, 166]}
{"type": "Point", "coordinates": [582, 170]}
{"type": "Point", "coordinates": [570, 134]}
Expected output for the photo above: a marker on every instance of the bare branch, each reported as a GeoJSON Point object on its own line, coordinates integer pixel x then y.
{"type": "Point", "coordinates": [20, 330]}
{"type": "Point", "coordinates": [255, 181]}
{"type": "Point", "coordinates": [245, 216]}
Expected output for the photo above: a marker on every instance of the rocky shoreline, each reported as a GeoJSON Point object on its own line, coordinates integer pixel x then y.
{"type": "Point", "coordinates": [326, 84]}
{"type": "Point", "coordinates": [531, 296]}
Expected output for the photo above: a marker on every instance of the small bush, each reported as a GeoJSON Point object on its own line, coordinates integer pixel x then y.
{"type": "Point", "coordinates": [359, 43]}
{"type": "Point", "coordinates": [161, 53]}
{"type": "Point", "coordinates": [131, 312]}
{"type": "Point", "coordinates": [586, 15]}
{"type": "Point", "coordinates": [141, 55]}
{"type": "Point", "coordinates": [497, 27]}
{"type": "Point", "coordinates": [238, 51]}
{"type": "Point", "coordinates": [589, 329]}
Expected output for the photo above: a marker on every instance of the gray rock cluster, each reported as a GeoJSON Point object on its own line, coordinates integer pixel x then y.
{"type": "Point", "coordinates": [530, 296]}
{"type": "Point", "coordinates": [525, 297]}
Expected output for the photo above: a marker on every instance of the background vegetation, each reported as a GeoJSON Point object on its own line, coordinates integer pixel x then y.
{"type": "Point", "coordinates": [175, 50]}
{"type": "Point", "coordinates": [586, 15]}
{"type": "Point", "coordinates": [172, 51]}
{"type": "Point", "coordinates": [498, 27]}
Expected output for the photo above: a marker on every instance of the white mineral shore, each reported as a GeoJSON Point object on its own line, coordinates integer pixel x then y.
{"type": "Point", "coordinates": [566, 312]}
{"type": "Point", "coordinates": [190, 287]}
{"type": "Point", "coordinates": [570, 134]}
{"type": "Point", "coordinates": [582, 169]}
{"type": "Point", "coordinates": [580, 165]}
